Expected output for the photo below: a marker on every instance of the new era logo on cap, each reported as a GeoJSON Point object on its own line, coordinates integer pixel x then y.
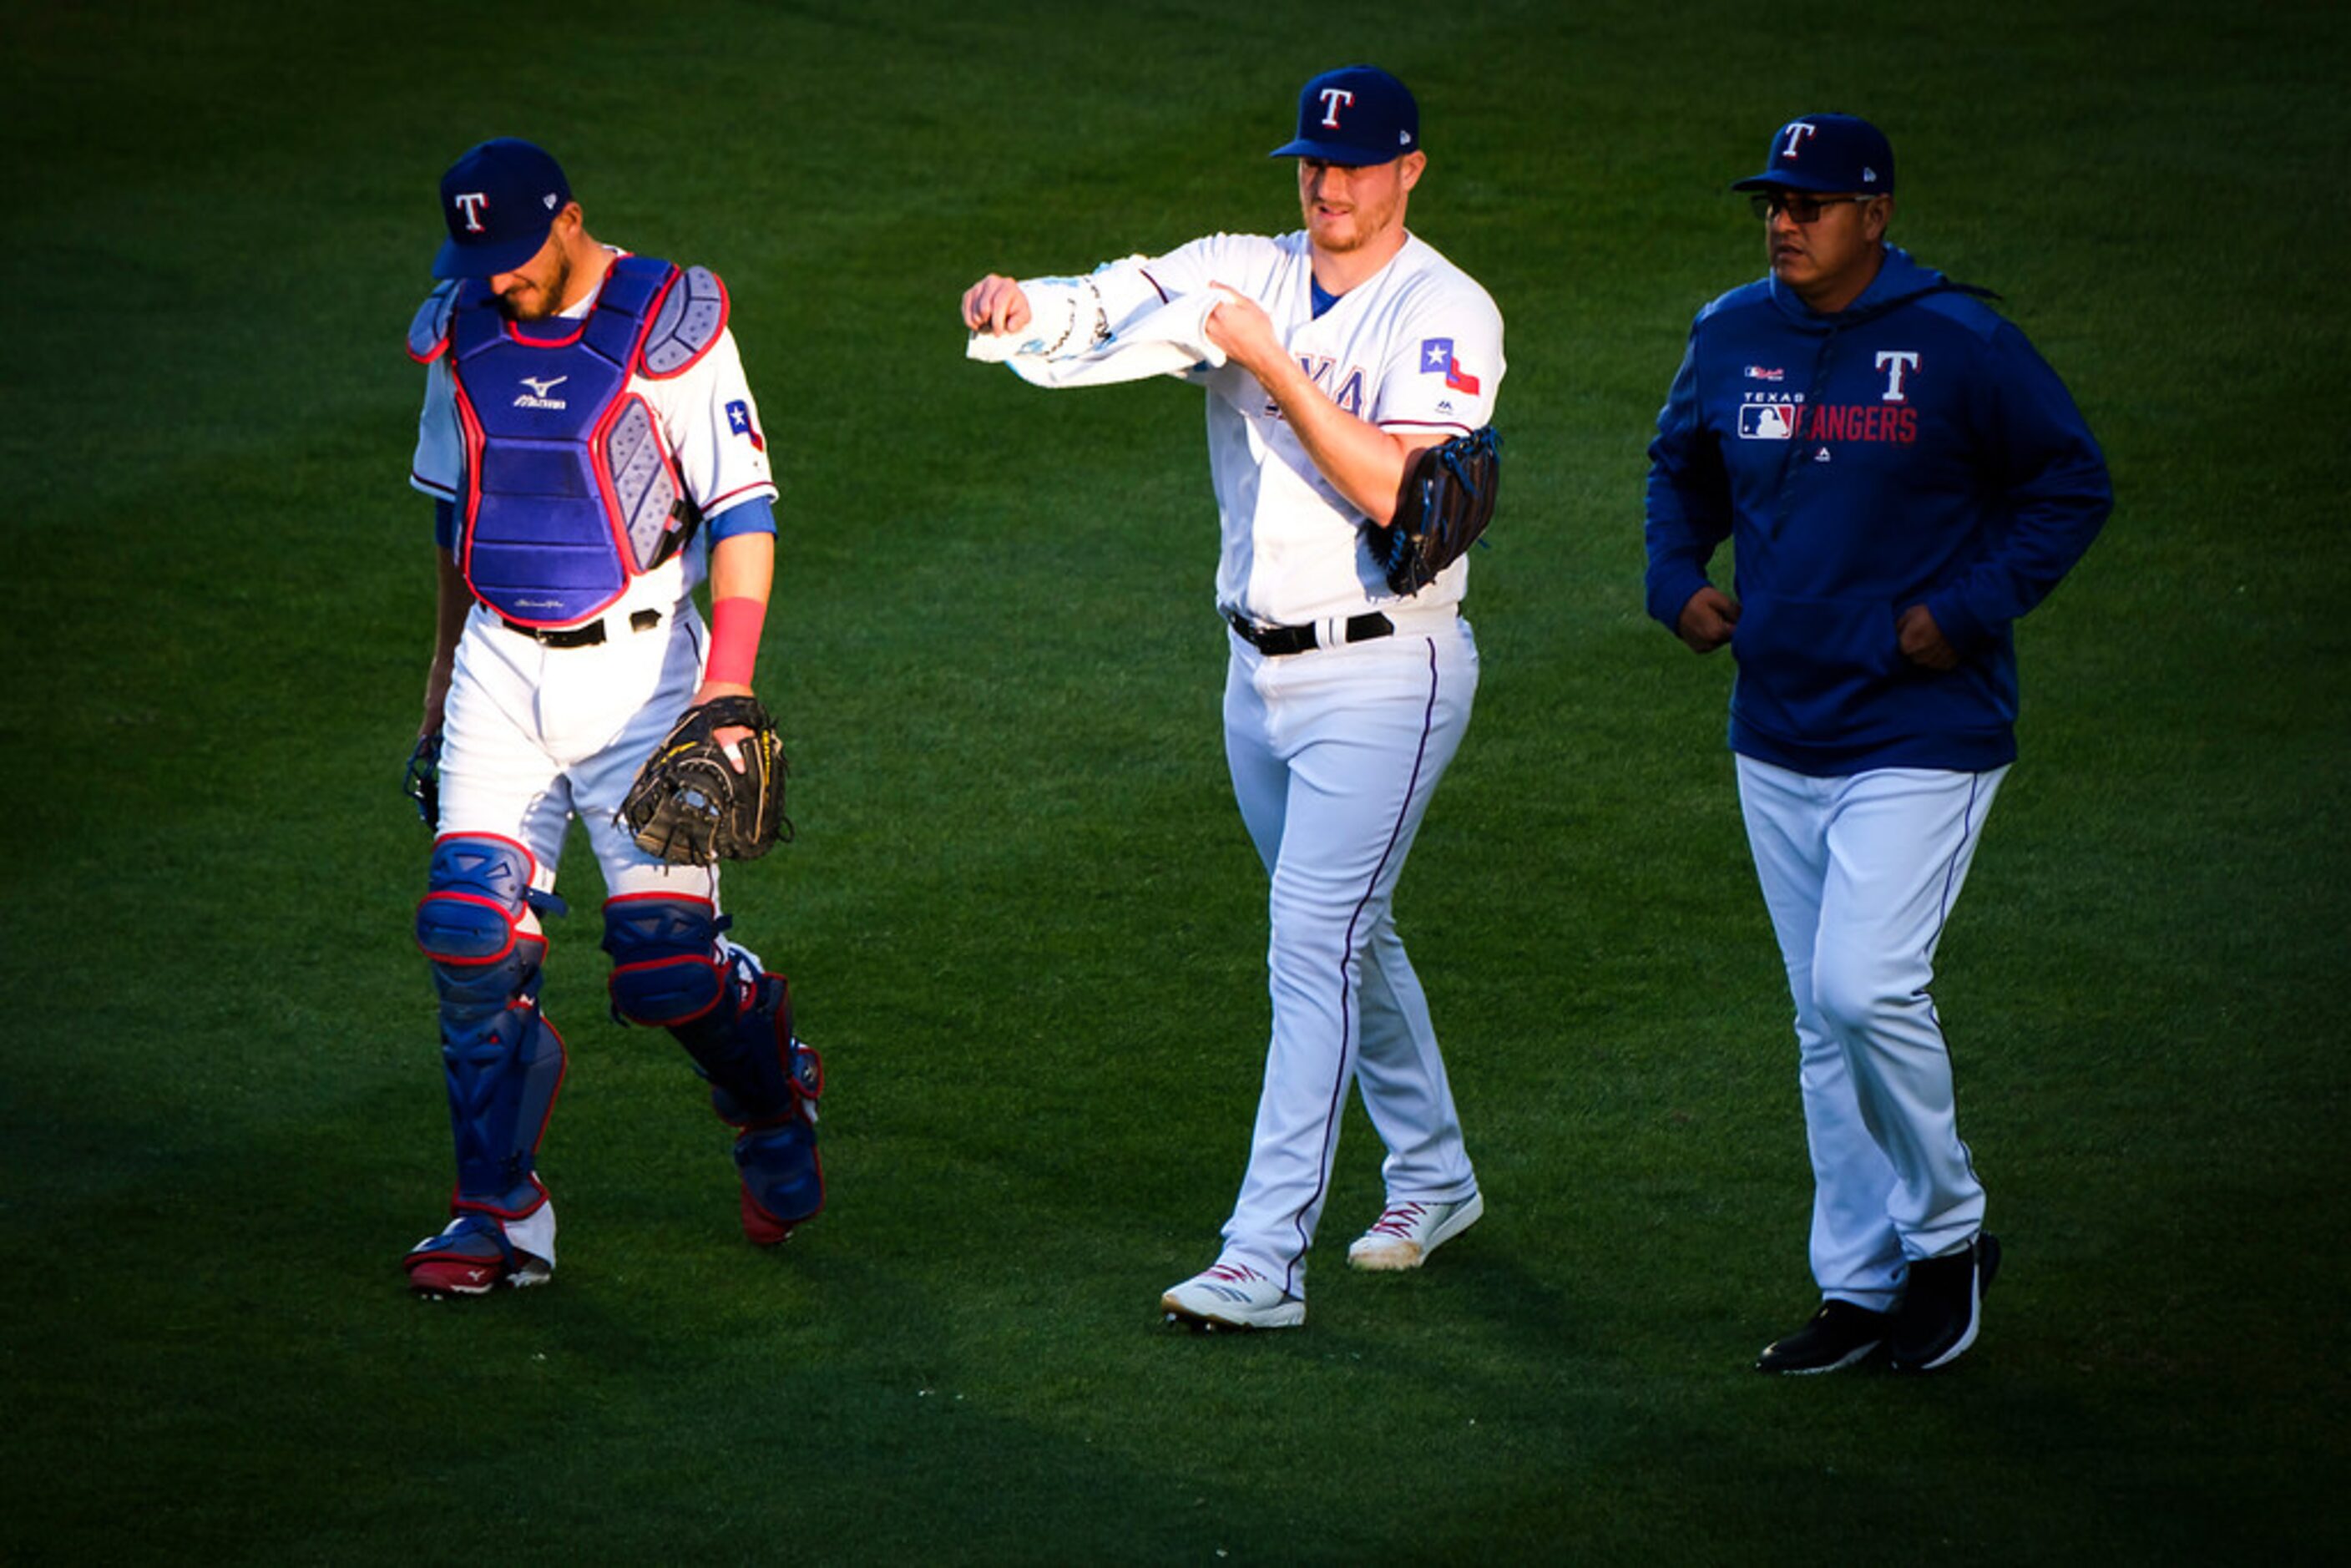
{"type": "Point", "coordinates": [499, 201]}
{"type": "Point", "coordinates": [1356, 115]}
{"type": "Point", "coordinates": [1826, 152]}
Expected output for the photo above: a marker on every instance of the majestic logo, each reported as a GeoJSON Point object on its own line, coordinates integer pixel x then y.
{"type": "Point", "coordinates": [1796, 130]}
{"type": "Point", "coordinates": [1334, 99]}
{"type": "Point", "coordinates": [1436, 354]}
{"type": "Point", "coordinates": [471, 204]}
{"type": "Point", "coordinates": [1765, 373]}
{"type": "Point", "coordinates": [537, 396]}
{"type": "Point", "coordinates": [1893, 361]}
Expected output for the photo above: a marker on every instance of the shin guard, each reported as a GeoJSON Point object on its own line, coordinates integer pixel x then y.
{"type": "Point", "coordinates": [671, 968]}
{"type": "Point", "coordinates": [503, 1060]}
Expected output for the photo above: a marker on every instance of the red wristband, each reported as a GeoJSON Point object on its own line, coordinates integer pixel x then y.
{"type": "Point", "coordinates": [735, 625]}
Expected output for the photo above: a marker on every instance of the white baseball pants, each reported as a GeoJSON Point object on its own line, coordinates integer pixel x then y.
{"type": "Point", "coordinates": [1860, 874]}
{"type": "Point", "coordinates": [534, 736]}
{"type": "Point", "coordinates": [1334, 755]}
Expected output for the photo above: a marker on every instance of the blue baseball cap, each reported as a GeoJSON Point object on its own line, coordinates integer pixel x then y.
{"type": "Point", "coordinates": [1356, 115]}
{"type": "Point", "coordinates": [1827, 153]}
{"type": "Point", "coordinates": [499, 201]}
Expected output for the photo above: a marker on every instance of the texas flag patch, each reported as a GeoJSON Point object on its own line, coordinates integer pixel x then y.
{"type": "Point", "coordinates": [738, 420]}
{"type": "Point", "coordinates": [1436, 354]}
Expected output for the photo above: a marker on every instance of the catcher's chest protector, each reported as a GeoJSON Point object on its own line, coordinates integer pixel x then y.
{"type": "Point", "coordinates": [569, 489]}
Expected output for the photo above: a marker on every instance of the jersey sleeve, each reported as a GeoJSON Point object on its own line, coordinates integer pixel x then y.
{"type": "Point", "coordinates": [1073, 314]}
{"type": "Point", "coordinates": [438, 467]}
{"type": "Point", "coordinates": [2045, 466]}
{"type": "Point", "coordinates": [1688, 512]}
{"type": "Point", "coordinates": [713, 425]}
{"type": "Point", "coordinates": [1444, 364]}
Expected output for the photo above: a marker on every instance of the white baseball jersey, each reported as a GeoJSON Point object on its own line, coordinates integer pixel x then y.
{"type": "Point", "coordinates": [1415, 350]}
{"type": "Point", "coordinates": [707, 418]}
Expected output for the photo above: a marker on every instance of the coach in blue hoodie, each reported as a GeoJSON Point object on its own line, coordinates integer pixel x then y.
{"type": "Point", "coordinates": [1901, 476]}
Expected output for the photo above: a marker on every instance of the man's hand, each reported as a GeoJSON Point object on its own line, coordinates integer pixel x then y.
{"type": "Point", "coordinates": [996, 305]}
{"type": "Point", "coordinates": [1922, 641]}
{"type": "Point", "coordinates": [1707, 620]}
{"type": "Point", "coordinates": [729, 737]}
{"type": "Point", "coordinates": [1240, 326]}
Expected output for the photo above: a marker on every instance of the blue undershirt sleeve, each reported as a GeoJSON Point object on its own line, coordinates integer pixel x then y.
{"type": "Point", "coordinates": [445, 525]}
{"type": "Point", "coordinates": [756, 515]}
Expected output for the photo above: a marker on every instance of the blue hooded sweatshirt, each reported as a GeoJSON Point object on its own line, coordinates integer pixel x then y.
{"type": "Point", "coordinates": [1911, 449]}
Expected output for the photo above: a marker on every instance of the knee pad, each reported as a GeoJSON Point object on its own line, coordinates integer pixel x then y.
{"type": "Point", "coordinates": [665, 961]}
{"type": "Point", "coordinates": [503, 1060]}
{"type": "Point", "coordinates": [475, 894]}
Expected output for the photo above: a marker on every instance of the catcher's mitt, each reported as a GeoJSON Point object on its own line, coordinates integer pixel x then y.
{"type": "Point", "coordinates": [690, 807]}
{"type": "Point", "coordinates": [1446, 503]}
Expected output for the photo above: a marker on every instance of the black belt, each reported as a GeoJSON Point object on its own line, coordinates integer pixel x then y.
{"type": "Point", "coordinates": [1274, 641]}
{"type": "Point", "coordinates": [586, 636]}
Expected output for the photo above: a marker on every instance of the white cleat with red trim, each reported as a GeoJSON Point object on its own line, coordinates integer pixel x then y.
{"type": "Point", "coordinates": [1232, 1296]}
{"type": "Point", "coordinates": [1407, 1233]}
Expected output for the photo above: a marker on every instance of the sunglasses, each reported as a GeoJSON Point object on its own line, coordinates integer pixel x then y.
{"type": "Point", "coordinates": [1799, 206]}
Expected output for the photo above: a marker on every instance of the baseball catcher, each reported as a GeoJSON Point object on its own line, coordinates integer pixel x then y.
{"type": "Point", "coordinates": [697, 799]}
{"type": "Point", "coordinates": [1446, 503]}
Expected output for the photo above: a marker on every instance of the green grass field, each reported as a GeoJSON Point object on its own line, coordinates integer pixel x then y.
{"type": "Point", "coordinates": [1022, 919]}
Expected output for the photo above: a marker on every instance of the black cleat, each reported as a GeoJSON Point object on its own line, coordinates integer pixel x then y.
{"type": "Point", "coordinates": [1840, 1334]}
{"type": "Point", "coordinates": [1943, 1307]}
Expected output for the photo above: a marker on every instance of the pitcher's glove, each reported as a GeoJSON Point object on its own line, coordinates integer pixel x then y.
{"type": "Point", "coordinates": [1446, 503]}
{"type": "Point", "coordinates": [691, 807]}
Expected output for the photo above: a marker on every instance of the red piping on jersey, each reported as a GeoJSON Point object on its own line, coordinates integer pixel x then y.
{"type": "Point", "coordinates": [719, 505]}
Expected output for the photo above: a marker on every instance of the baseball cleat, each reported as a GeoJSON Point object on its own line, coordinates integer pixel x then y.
{"type": "Point", "coordinates": [1839, 1335]}
{"type": "Point", "coordinates": [1407, 1233]}
{"type": "Point", "coordinates": [1232, 1296]}
{"type": "Point", "coordinates": [1943, 1307]}
{"type": "Point", "coordinates": [475, 1254]}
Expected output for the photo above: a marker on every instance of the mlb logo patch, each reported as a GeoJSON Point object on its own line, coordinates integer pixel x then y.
{"type": "Point", "coordinates": [1766, 422]}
